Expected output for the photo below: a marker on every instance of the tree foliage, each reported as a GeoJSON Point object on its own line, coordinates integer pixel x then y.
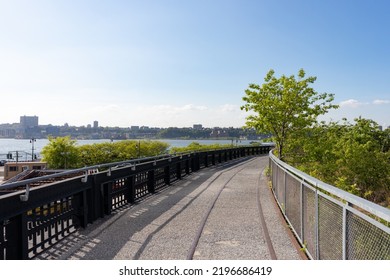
{"type": "Point", "coordinates": [120, 151]}
{"type": "Point", "coordinates": [284, 105]}
{"type": "Point", "coordinates": [196, 146]}
{"type": "Point", "coordinates": [61, 153]}
{"type": "Point", "coordinates": [354, 157]}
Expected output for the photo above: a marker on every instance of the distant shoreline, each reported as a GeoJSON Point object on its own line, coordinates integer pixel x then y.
{"type": "Point", "coordinates": [25, 147]}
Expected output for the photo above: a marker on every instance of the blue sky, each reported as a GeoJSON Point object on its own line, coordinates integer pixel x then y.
{"type": "Point", "coordinates": [178, 63]}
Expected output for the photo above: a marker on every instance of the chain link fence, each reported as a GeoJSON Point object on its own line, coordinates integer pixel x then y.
{"type": "Point", "coordinates": [330, 223]}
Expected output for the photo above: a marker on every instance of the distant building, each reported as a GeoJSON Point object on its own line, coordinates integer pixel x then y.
{"type": "Point", "coordinates": [217, 132]}
{"type": "Point", "coordinates": [7, 133]}
{"type": "Point", "coordinates": [95, 124]}
{"type": "Point", "coordinates": [198, 126]}
{"type": "Point", "coordinates": [28, 121]}
{"type": "Point", "coordinates": [134, 128]}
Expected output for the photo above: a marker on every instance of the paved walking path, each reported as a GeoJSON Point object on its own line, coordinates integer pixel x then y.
{"type": "Point", "coordinates": [164, 226]}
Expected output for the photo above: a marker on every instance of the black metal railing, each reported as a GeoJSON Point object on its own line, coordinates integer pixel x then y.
{"type": "Point", "coordinates": [33, 220]}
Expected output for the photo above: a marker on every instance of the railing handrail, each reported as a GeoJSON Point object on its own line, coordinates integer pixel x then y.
{"type": "Point", "coordinates": [7, 186]}
{"type": "Point", "coordinates": [78, 170]}
{"type": "Point", "coordinates": [379, 211]}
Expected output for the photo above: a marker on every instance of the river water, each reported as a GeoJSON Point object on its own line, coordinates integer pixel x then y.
{"type": "Point", "coordinates": [24, 147]}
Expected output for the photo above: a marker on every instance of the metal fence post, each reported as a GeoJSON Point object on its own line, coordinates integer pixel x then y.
{"type": "Point", "coordinates": [80, 204]}
{"type": "Point", "coordinates": [167, 175]}
{"type": "Point", "coordinates": [107, 196]}
{"type": "Point", "coordinates": [187, 163]}
{"type": "Point", "coordinates": [96, 198]}
{"type": "Point", "coordinates": [345, 216]}
{"type": "Point", "coordinates": [151, 181]}
{"type": "Point", "coordinates": [285, 192]}
{"type": "Point", "coordinates": [317, 248]}
{"type": "Point", "coordinates": [17, 238]}
{"type": "Point", "coordinates": [131, 186]}
{"type": "Point", "coordinates": [301, 209]}
{"type": "Point", "coordinates": [178, 170]}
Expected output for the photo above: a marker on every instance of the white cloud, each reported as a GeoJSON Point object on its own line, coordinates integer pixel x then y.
{"type": "Point", "coordinates": [229, 108]}
{"type": "Point", "coordinates": [351, 103]}
{"type": "Point", "coordinates": [191, 107]}
{"type": "Point", "coordinates": [380, 102]}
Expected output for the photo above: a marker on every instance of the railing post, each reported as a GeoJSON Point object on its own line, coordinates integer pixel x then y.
{"type": "Point", "coordinates": [187, 163]}
{"type": "Point", "coordinates": [80, 204]}
{"type": "Point", "coordinates": [151, 181]}
{"type": "Point", "coordinates": [17, 238]}
{"type": "Point", "coordinates": [192, 163]}
{"type": "Point", "coordinates": [285, 191]}
{"type": "Point", "coordinates": [107, 195]}
{"type": "Point", "coordinates": [178, 170]}
{"type": "Point", "coordinates": [197, 161]}
{"type": "Point", "coordinates": [96, 199]}
{"type": "Point", "coordinates": [213, 158]}
{"type": "Point", "coordinates": [345, 229]}
{"type": "Point", "coordinates": [317, 248]}
{"type": "Point", "coordinates": [301, 209]}
{"type": "Point", "coordinates": [130, 183]}
{"type": "Point", "coordinates": [167, 175]}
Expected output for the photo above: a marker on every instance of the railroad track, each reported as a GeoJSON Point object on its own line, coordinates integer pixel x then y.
{"type": "Point", "coordinates": [260, 217]}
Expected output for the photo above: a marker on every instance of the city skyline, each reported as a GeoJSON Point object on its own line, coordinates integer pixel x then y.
{"type": "Point", "coordinates": [178, 63]}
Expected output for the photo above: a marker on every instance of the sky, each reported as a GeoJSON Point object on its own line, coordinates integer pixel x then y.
{"type": "Point", "coordinates": [174, 63]}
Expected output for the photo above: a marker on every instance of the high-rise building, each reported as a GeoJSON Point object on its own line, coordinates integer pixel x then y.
{"type": "Point", "coordinates": [95, 124]}
{"type": "Point", "coordinates": [198, 126]}
{"type": "Point", "coordinates": [28, 121]}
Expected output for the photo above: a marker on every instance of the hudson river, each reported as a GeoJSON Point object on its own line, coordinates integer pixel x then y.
{"type": "Point", "coordinates": [24, 147]}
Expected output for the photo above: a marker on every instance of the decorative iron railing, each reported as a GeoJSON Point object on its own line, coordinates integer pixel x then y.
{"type": "Point", "coordinates": [33, 219]}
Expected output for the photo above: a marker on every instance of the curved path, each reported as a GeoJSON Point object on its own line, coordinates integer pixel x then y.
{"type": "Point", "coordinates": [223, 212]}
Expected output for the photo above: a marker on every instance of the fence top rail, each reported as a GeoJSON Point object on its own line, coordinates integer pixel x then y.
{"type": "Point", "coordinates": [7, 186]}
{"type": "Point", "coordinates": [379, 211]}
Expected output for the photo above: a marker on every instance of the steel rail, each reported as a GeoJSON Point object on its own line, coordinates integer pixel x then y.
{"type": "Point", "coordinates": [198, 235]}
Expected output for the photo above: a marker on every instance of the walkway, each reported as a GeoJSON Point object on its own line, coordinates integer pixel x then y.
{"type": "Point", "coordinates": [215, 213]}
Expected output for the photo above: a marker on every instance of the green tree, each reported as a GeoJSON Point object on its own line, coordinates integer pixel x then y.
{"type": "Point", "coordinates": [363, 164]}
{"type": "Point", "coordinates": [284, 105]}
{"type": "Point", "coordinates": [100, 153]}
{"type": "Point", "coordinates": [196, 147]}
{"type": "Point", "coordinates": [353, 157]}
{"type": "Point", "coordinates": [61, 153]}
